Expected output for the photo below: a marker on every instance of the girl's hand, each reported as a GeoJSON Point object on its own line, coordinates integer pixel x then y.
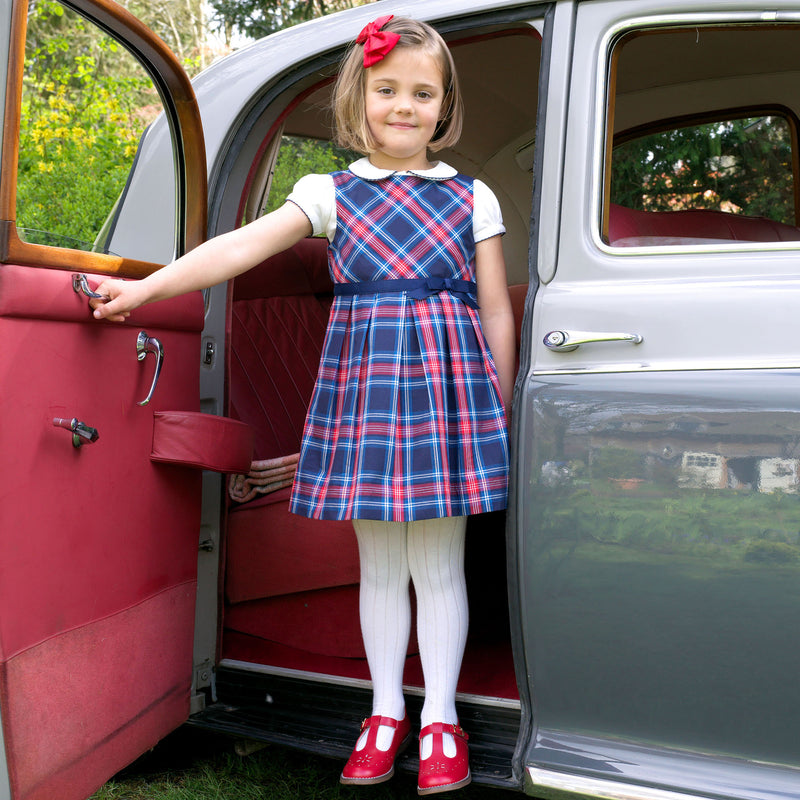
{"type": "Point", "coordinates": [119, 299]}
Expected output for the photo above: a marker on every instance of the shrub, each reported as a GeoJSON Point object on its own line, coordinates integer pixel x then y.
{"type": "Point", "coordinates": [766, 552]}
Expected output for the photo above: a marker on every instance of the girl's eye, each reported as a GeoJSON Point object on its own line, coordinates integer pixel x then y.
{"type": "Point", "coordinates": [424, 95]}
{"type": "Point", "coordinates": [385, 90]}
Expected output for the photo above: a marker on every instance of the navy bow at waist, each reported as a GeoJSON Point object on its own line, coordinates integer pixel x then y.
{"type": "Point", "coordinates": [417, 288]}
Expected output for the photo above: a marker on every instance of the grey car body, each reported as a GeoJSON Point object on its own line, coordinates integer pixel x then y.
{"type": "Point", "coordinates": [652, 542]}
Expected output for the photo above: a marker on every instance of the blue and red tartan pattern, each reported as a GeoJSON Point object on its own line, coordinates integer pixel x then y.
{"type": "Point", "coordinates": [406, 421]}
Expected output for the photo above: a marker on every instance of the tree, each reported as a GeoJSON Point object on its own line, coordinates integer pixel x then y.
{"type": "Point", "coordinates": [182, 24]}
{"type": "Point", "coordinates": [739, 165]}
{"type": "Point", "coordinates": [257, 18]}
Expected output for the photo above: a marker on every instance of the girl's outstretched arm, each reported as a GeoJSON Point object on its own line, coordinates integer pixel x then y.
{"type": "Point", "coordinates": [213, 262]}
{"type": "Point", "coordinates": [497, 316]}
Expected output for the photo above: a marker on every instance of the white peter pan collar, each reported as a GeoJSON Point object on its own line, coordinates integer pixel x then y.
{"type": "Point", "coordinates": [365, 169]}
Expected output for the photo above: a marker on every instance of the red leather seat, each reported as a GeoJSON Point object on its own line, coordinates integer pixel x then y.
{"type": "Point", "coordinates": [629, 227]}
{"type": "Point", "coordinates": [281, 568]}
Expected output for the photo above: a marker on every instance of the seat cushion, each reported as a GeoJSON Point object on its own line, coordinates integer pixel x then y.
{"type": "Point", "coordinates": [632, 227]}
{"type": "Point", "coordinates": [271, 552]}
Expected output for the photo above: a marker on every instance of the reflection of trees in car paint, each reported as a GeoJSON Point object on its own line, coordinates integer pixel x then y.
{"type": "Point", "coordinates": [641, 592]}
{"type": "Point", "coordinates": [661, 474]}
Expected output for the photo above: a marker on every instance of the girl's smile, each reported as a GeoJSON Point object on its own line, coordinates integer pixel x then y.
{"type": "Point", "coordinates": [404, 94]}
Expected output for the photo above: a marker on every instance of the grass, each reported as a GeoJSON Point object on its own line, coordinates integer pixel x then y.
{"type": "Point", "coordinates": [191, 765]}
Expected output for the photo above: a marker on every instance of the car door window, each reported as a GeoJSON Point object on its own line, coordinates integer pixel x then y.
{"type": "Point", "coordinates": [711, 170]}
{"type": "Point", "coordinates": [286, 159]}
{"type": "Point", "coordinates": [303, 155]}
{"type": "Point", "coordinates": [86, 104]}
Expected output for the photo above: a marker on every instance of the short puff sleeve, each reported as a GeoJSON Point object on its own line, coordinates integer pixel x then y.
{"type": "Point", "coordinates": [487, 219]}
{"type": "Point", "coordinates": [315, 196]}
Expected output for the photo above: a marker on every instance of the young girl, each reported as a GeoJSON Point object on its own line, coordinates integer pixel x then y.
{"type": "Point", "coordinates": [406, 429]}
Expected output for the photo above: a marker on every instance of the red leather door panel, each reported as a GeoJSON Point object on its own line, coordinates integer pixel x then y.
{"type": "Point", "coordinates": [98, 544]}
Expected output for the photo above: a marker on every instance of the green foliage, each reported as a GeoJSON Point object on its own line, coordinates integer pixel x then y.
{"type": "Point", "coordinates": [257, 18]}
{"type": "Point", "coordinates": [720, 524]}
{"type": "Point", "coordinates": [82, 114]}
{"type": "Point", "coordinates": [741, 165]}
{"type": "Point", "coordinates": [182, 25]}
{"type": "Point", "coordinates": [764, 551]}
{"type": "Point", "coordinates": [300, 156]}
{"type": "Point", "coordinates": [616, 462]}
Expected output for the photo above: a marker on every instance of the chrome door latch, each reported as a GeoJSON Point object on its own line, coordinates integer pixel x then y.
{"type": "Point", "coordinates": [149, 344]}
{"type": "Point", "coordinates": [81, 432]}
{"type": "Point", "coordinates": [566, 341]}
{"type": "Point", "coordinates": [80, 285]}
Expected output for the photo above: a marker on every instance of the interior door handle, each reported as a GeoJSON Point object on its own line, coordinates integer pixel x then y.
{"type": "Point", "coordinates": [149, 344]}
{"type": "Point", "coordinates": [81, 432]}
{"type": "Point", "coordinates": [80, 284]}
{"type": "Point", "coordinates": [565, 341]}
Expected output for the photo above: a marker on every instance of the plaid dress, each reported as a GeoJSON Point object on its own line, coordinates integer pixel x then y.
{"type": "Point", "coordinates": [406, 420]}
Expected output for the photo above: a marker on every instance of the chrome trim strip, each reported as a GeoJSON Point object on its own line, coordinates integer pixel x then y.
{"type": "Point", "coordinates": [5, 784]}
{"type": "Point", "coordinates": [666, 366]}
{"type": "Point", "coordinates": [551, 785]}
{"type": "Point", "coordinates": [360, 683]}
{"type": "Point", "coordinates": [770, 17]}
{"type": "Point", "coordinates": [722, 246]}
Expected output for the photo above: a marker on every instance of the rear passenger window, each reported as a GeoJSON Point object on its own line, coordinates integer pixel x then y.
{"type": "Point", "coordinates": [711, 169]}
{"type": "Point", "coordinates": [285, 160]}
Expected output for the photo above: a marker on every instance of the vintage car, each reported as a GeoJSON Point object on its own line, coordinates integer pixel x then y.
{"type": "Point", "coordinates": [635, 614]}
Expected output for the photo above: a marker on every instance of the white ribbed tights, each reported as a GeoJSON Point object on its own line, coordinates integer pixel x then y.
{"type": "Point", "coordinates": [431, 553]}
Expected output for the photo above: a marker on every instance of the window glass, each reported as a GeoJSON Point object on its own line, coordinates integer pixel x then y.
{"type": "Point", "coordinates": [702, 136]}
{"type": "Point", "coordinates": [302, 155]}
{"type": "Point", "coordinates": [86, 103]}
{"type": "Point", "coordinates": [742, 166]}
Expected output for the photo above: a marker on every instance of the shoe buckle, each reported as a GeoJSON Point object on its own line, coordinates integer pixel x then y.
{"type": "Point", "coordinates": [459, 731]}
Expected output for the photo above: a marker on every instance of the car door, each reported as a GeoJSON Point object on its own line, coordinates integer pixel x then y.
{"type": "Point", "coordinates": [656, 507]}
{"type": "Point", "coordinates": [100, 436]}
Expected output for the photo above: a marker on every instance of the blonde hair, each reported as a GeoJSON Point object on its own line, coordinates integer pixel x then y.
{"type": "Point", "coordinates": [349, 106]}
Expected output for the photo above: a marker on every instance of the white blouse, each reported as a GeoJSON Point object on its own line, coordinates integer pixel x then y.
{"type": "Point", "coordinates": [315, 195]}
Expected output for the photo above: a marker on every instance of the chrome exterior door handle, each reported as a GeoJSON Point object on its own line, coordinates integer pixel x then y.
{"type": "Point", "coordinates": [149, 344]}
{"type": "Point", "coordinates": [566, 341]}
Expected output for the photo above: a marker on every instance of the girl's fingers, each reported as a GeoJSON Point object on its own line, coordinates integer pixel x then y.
{"type": "Point", "coordinates": [116, 303]}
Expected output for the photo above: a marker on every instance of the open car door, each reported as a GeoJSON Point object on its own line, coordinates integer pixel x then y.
{"type": "Point", "coordinates": [100, 506]}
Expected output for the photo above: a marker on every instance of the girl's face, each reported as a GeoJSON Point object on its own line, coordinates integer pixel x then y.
{"type": "Point", "coordinates": [403, 96]}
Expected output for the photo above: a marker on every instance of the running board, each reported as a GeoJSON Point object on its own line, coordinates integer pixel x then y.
{"type": "Point", "coordinates": [324, 718]}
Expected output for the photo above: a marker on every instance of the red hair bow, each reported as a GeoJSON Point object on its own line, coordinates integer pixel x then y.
{"type": "Point", "coordinates": [377, 43]}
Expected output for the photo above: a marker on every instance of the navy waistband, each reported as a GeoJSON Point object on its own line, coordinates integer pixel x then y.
{"type": "Point", "coordinates": [417, 288]}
